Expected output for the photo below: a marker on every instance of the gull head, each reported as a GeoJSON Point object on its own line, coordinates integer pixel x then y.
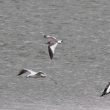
{"type": "Point", "coordinates": [41, 74]}
{"type": "Point", "coordinates": [60, 41]}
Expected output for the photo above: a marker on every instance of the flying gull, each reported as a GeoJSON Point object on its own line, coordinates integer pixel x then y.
{"type": "Point", "coordinates": [32, 74]}
{"type": "Point", "coordinates": [52, 44]}
{"type": "Point", "coordinates": [106, 90]}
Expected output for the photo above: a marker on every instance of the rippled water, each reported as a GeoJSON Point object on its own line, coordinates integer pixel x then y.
{"type": "Point", "coordinates": [80, 65]}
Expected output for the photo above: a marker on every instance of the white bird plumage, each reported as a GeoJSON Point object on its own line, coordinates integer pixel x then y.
{"type": "Point", "coordinates": [32, 74]}
{"type": "Point", "coordinates": [106, 90]}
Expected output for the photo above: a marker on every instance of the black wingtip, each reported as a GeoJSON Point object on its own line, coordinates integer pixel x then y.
{"type": "Point", "coordinates": [50, 52]}
{"type": "Point", "coordinates": [102, 95]}
{"type": "Point", "coordinates": [21, 72]}
{"type": "Point", "coordinates": [105, 90]}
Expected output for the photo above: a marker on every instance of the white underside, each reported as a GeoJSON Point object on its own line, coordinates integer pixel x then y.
{"type": "Point", "coordinates": [53, 47]}
{"type": "Point", "coordinates": [108, 90]}
{"type": "Point", "coordinates": [34, 74]}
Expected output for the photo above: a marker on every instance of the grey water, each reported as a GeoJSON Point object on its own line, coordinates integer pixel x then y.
{"type": "Point", "coordinates": [80, 67]}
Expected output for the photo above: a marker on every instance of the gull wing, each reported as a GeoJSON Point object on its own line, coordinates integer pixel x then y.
{"type": "Point", "coordinates": [50, 39]}
{"type": "Point", "coordinates": [50, 52]}
{"type": "Point", "coordinates": [22, 72]}
{"type": "Point", "coordinates": [106, 90]}
{"type": "Point", "coordinates": [51, 49]}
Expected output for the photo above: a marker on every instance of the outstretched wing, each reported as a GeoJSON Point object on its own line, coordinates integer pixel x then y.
{"type": "Point", "coordinates": [106, 90]}
{"type": "Point", "coordinates": [50, 39]}
{"type": "Point", "coordinates": [50, 52]}
{"type": "Point", "coordinates": [22, 72]}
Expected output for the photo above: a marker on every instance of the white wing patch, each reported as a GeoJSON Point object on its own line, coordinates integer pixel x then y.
{"type": "Point", "coordinates": [53, 47]}
{"type": "Point", "coordinates": [108, 89]}
{"type": "Point", "coordinates": [32, 72]}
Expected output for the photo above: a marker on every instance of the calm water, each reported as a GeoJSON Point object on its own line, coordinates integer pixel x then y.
{"type": "Point", "coordinates": [80, 65]}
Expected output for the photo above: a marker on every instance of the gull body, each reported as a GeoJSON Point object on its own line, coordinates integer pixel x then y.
{"type": "Point", "coordinates": [52, 44]}
{"type": "Point", "coordinates": [106, 90]}
{"type": "Point", "coordinates": [52, 39]}
{"type": "Point", "coordinates": [32, 74]}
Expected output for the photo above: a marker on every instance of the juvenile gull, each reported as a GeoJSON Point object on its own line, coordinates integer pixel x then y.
{"type": "Point", "coordinates": [32, 74]}
{"type": "Point", "coordinates": [106, 90]}
{"type": "Point", "coordinates": [52, 44]}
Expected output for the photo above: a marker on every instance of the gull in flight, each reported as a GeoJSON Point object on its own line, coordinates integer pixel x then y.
{"type": "Point", "coordinates": [32, 74]}
{"type": "Point", "coordinates": [52, 44]}
{"type": "Point", "coordinates": [106, 90]}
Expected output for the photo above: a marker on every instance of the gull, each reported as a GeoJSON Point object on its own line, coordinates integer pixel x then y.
{"type": "Point", "coordinates": [106, 90]}
{"type": "Point", "coordinates": [32, 74]}
{"type": "Point", "coordinates": [52, 44]}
